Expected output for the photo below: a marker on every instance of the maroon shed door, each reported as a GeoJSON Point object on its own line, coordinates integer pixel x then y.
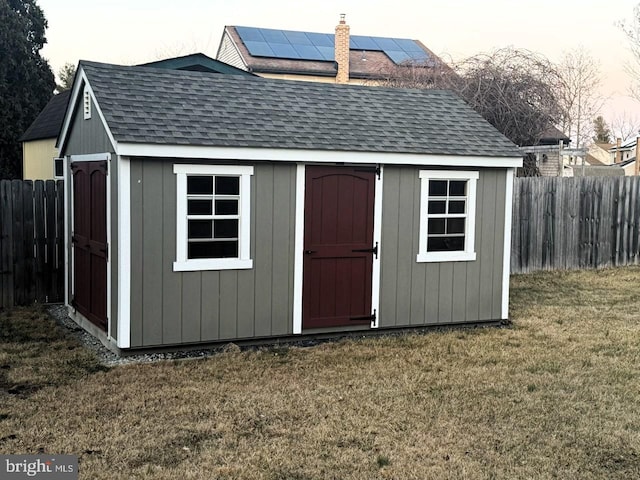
{"type": "Point", "coordinates": [338, 241]}
{"type": "Point", "coordinates": [90, 240]}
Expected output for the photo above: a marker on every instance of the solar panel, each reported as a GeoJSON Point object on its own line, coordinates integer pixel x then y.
{"type": "Point", "coordinates": [387, 44]}
{"type": "Point", "coordinates": [273, 36]}
{"type": "Point", "coordinates": [398, 56]}
{"type": "Point", "coordinates": [297, 38]}
{"type": "Point", "coordinates": [309, 52]}
{"type": "Point", "coordinates": [328, 53]}
{"type": "Point", "coordinates": [320, 39]}
{"type": "Point", "coordinates": [408, 45]}
{"type": "Point", "coordinates": [250, 34]}
{"type": "Point", "coordinates": [267, 42]}
{"type": "Point", "coordinates": [284, 50]}
{"type": "Point", "coordinates": [359, 42]}
{"type": "Point", "coordinates": [259, 49]}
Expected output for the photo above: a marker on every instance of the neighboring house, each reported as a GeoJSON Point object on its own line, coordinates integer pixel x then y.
{"type": "Point", "coordinates": [196, 62]}
{"type": "Point", "coordinates": [39, 141]}
{"type": "Point", "coordinates": [549, 152]}
{"type": "Point", "coordinates": [598, 154]}
{"type": "Point", "coordinates": [624, 155]}
{"type": "Point", "coordinates": [320, 57]}
{"type": "Point", "coordinates": [214, 208]}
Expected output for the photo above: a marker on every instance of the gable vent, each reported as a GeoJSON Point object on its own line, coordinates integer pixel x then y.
{"type": "Point", "coordinates": [87, 104]}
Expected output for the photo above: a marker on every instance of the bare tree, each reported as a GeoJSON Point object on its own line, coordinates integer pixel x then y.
{"type": "Point", "coordinates": [632, 31]}
{"type": "Point", "coordinates": [625, 126]}
{"type": "Point", "coordinates": [578, 95]}
{"type": "Point", "coordinates": [65, 75]}
{"type": "Point", "coordinates": [515, 90]}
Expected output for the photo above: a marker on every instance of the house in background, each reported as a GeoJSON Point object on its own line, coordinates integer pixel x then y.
{"type": "Point", "coordinates": [214, 208]}
{"type": "Point", "coordinates": [624, 155]}
{"type": "Point", "coordinates": [321, 57]}
{"type": "Point", "coordinates": [39, 141]}
{"type": "Point", "coordinates": [196, 62]}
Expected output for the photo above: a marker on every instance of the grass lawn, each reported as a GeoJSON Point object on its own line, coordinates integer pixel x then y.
{"type": "Point", "coordinates": [557, 395]}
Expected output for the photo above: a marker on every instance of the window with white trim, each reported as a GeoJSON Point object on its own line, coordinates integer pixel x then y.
{"type": "Point", "coordinates": [447, 216]}
{"type": "Point", "coordinates": [213, 217]}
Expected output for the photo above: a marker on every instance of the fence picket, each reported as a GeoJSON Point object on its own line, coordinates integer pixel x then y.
{"type": "Point", "coordinates": [569, 223]}
{"type": "Point", "coordinates": [30, 230]}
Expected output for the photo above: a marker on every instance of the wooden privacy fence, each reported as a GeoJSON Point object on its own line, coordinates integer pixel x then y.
{"type": "Point", "coordinates": [574, 223]}
{"type": "Point", "coordinates": [31, 242]}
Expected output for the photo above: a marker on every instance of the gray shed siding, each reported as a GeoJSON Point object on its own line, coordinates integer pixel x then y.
{"type": "Point", "coordinates": [170, 307]}
{"type": "Point", "coordinates": [413, 293]}
{"type": "Point", "coordinates": [88, 137]}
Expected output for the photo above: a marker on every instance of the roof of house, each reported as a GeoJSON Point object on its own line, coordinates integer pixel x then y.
{"type": "Point", "coordinates": [593, 161]}
{"type": "Point", "coordinates": [171, 107]}
{"type": "Point", "coordinates": [552, 135]}
{"type": "Point", "coordinates": [266, 50]}
{"type": "Point", "coordinates": [48, 123]}
{"type": "Point", "coordinates": [196, 62]}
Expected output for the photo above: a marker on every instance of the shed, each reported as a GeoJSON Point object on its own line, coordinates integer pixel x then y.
{"type": "Point", "coordinates": [213, 208]}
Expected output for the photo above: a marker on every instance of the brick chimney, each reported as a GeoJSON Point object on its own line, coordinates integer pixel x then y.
{"type": "Point", "coordinates": [618, 158]}
{"type": "Point", "coordinates": [342, 50]}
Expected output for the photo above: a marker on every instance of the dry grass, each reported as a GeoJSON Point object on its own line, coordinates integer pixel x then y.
{"type": "Point", "coordinates": [555, 396]}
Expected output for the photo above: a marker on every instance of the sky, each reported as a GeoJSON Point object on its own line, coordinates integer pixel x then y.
{"type": "Point", "coordinates": [139, 31]}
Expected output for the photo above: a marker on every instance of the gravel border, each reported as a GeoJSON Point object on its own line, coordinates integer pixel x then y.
{"type": "Point", "coordinates": [108, 358]}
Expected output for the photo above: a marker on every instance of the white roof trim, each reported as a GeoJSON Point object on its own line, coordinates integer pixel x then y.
{"type": "Point", "coordinates": [81, 79]}
{"type": "Point", "coordinates": [315, 156]}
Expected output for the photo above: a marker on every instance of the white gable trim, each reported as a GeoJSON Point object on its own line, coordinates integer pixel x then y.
{"type": "Point", "coordinates": [317, 156]}
{"type": "Point", "coordinates": [81, 85]}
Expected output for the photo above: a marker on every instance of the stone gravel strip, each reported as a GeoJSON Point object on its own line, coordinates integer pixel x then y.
{"type": "Point", "coordinates": [109, 358]}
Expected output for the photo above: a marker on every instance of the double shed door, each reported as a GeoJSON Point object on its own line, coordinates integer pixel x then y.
{"type": "Point", "coordinates": [338, 247]}
{"type": "Point", "coordinates": [90, 240]}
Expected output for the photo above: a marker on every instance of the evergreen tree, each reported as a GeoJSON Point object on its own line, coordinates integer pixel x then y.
{"type": "Point", "coordinates": [26, 80]}
{"type": "Point", "coordinates": [602, 133]}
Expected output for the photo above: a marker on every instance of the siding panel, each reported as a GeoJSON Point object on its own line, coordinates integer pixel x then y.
{"type": "Point", "coordinates": [151, 252]}
{"type": "Point", "coordinates": [389, 237]}
{"type": "Point", "coordinates": [206, 306]}
{"type": "Point", "coordinates": [210, 327]}
{"type": "Point", "coordinates": [191, 306]}
{"type": "Point", "coordinates": [136, 255]}
{"type": "Point", "coordinates": [439, 292]}
{"type": "Point", "coordinates": [171, 281]}
{"type": "Point", "coordinates": [263, 261]}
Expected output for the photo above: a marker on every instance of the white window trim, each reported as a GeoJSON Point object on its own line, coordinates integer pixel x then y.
{"type": "Point", "coordinates": [244, 261]}
{"type": "Point", "coordinates": [469, 253]}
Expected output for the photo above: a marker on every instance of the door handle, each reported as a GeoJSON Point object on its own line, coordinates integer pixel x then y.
{"type": "Point", "coordinates": [308, 252]}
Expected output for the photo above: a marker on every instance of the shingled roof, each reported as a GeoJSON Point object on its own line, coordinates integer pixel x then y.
{"type": "Point", "coordinates": [47, 124]}
{"type": "Point", "coordinates": [159, 106]}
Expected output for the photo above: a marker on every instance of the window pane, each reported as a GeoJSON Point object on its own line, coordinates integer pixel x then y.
{"type": "Point", "coordinates": [226, 249]}
{"type": "Point", "coordinates": [457, 206]}
{"type": "Point", "coordinates": [437, 188]}
{"type": "Point", "coordinates": [438, 206]}
{"type": "Point", "coordinates": [445, 244]}
{"type": "Point", "coordinates": [227, 185]}
{"type": "Point", "coordinates": [436, 226]}
{"type": "Point", "coordinates": [455, 225]}
{"type": "Point", "coordinates": [457, 188]}
{"type": "Point", "coordinates": [200, 229]}
{"type": "Point", "coordinates": [226, 228]}
{"type": "Point", "coordinates": [199, 207]}
{"type": "Point", "coordinates": [226, 207]}
{"type": "Point", "coordinates": [199, 185]}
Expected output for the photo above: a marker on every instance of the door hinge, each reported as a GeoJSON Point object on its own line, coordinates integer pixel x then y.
{"type": "Point", "coordinates": [373, 250]}
{"type": "Point", "coordinates": [371, 317]}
